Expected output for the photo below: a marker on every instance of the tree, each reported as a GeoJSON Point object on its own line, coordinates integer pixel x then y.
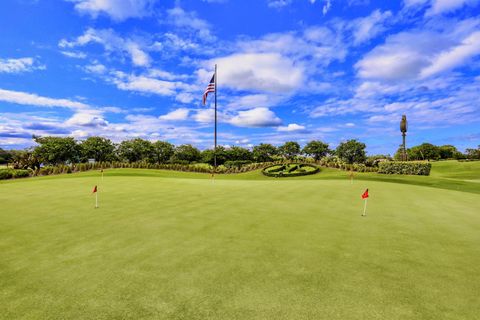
{"type": "Point", "coordinates": [207, 156]}
{"type": "Point", "coordinates": [56, 150]}
{"type": "Point", "coordinates": [135, 150]}
{"type": "Point", "coordinates": [98, 148]}
{"type": "Point", "coordinates": [186, 152]}
{"type": "Point", "coordinates": [425, 151]}
{"type": "Point", "coordinates": [25, 159]}
{"type": "Point", "coordinates": [316, 149]}
{"type": "Point", "coordinates": [289, 149]}
{"type": "Point", "coordinates": [473, 153]}
{"type": "Point", "coordinates": [5, 156]}
{"type": "Point", "coordinates": [163, 151]}
{"type": "Point", "coordinates": [239, 154]}
{"type": "Point", "coordinates": [264, 152]}
{"type": "Point", "coordinates": [351, 151]}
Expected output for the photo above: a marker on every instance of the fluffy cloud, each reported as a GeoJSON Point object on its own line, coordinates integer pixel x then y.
{"type": "Point", "coordinates": [32, 99]}
{"type": "Point", "coordinates": [189, 20]}
{"type": "Point", "coordinates": [176, 115]}
{"type": "Point", "coordinates": [409, 55]}
{"type": "Point", "coordinates": [366, 28]}
{"type": "Point", "coordinates": [19, 65]}
{"type": "Point", "coordinates": [112, 43]}
{"type": "Point", "coordinates": [87, 119]}
{"type": "Point", "coordinates": [269, 72]}
{"type": "Point", "coordinates": [292, 127]}
{"type": "Point", "coordinates": [455, 56]}
{"type": "Point", "coordinates": [439, 6]}
{"type": "Point", "coordinates": [118, 10]}
{"type": "Point", "coordinates": [257, 117]}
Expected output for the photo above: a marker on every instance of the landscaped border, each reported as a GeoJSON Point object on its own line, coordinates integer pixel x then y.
{"type": "Point", "coordinates": [280, 173]}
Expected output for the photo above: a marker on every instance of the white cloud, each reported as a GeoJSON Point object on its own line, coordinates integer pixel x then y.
{"type": "Point", "coordinates": [366, 28]}
{"type": "Point", "coordinates": [24, 98]}
{"type": "Point", "coordinates": [291, 128]}
{"type": "Point", "coordinates": [409, 55]}
{"type": "Point", "coordinates": [176, 115]}
{"type": "Point", "coordinates": [455, 56]}
{"type": "Point", "coordinates": [446, 6]}
{"type": "Point", "coordinates": [257, 117]}
{"type": "Point", "coordinates": [72, 54]}
{"type": "Point", "coordinates": [189, 20]}
{"type": "Point", "coordinates": [87, 119]}
{"type": "Point", "coordinates": [96, 68]}
{"type": "Point", "coordinates": [112, 43]}
{"type": "Point", "coordinates": [269, 72]}
{"type": "Point", "coordinates": [326, 6]}
{"type": "Point", "coordinates": [19, 65]}
{"type": "Point", "coordinates": [118, 10]}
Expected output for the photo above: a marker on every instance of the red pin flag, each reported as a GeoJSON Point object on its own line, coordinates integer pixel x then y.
{"type": "Point", "coordinates": [94, 189]}
{"type": "Point", "coordinates": [365, 194]}
{"type": "Point", "coordinates": [365, 197]}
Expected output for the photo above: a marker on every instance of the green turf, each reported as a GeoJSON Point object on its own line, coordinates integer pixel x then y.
{"type": "Point", "coordinates": [170, 245]}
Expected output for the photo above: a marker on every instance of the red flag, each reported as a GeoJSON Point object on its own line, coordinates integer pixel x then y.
{"type": "Point", "coordinates": [365, 194]}
{"type": "Point", "coordinates": [94, 189]}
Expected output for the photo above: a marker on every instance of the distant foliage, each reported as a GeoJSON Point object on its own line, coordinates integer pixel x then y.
{"type": "Point", "coordinates": [290, 170]}
{"type": "Point", "coordinates": [405, 167]}
{"type": "Point", "coordinates": [13, 173]}
{"type": "Point", "coordinates": [351, 151]}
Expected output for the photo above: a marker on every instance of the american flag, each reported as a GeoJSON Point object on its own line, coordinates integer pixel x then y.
{"type": "Point", "coordinates": [210, 88]}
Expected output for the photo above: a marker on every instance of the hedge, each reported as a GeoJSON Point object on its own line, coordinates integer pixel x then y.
{"type": "Point", "coordinates": [13, 173]}
{"type": "Point", "coordinates": [405, 167]}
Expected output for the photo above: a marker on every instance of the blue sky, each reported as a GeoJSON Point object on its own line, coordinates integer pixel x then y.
{"type": "Point", "coordinates": [287, 70]}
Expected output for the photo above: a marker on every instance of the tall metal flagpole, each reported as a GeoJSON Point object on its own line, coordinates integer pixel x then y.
{"type": "Point", "coordinates": [215, 134]}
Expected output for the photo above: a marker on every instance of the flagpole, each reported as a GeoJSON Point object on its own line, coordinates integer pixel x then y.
{"type": "Point", "coordinates": [365, 208]}
{"type": "Point", "coordinates": [96, 199]}
{"type": "Point", "coordinates": [215, 133]}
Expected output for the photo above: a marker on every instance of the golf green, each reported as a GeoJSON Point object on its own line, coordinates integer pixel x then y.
{"type": "Point", "coordinates": [167, 245]}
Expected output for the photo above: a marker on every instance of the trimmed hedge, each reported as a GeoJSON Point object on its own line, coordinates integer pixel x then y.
{"type": "Point", "coordinates": [405, 167]}
{"type": "Point", "coordinates": [13, 173]}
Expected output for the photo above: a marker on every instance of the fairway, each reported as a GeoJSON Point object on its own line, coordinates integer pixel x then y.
{"type": "Point", "coordinates": [167, 245]}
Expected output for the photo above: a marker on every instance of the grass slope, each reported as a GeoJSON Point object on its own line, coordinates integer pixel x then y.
{"type": "Point", "coordinates": [242, 247]}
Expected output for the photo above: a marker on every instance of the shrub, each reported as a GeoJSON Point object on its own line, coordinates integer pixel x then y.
{"type": "Point", "coordinates": [6, 174]}
{"type": "Point", "coordinates": [275, 172]}
{"type": "Point", "coordinates": [405, 167]}
{"type": "Point", "coordinates": [21, 173]}
{"type": "Point", "coordinates": [237, 163]}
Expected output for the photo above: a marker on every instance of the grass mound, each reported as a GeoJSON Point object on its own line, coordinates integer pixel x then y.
{"type": "Point", "coordinates": [290, 170]}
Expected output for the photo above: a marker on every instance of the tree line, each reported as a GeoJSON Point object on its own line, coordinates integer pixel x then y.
{"type": "Point", "coordinates": [64, 150]}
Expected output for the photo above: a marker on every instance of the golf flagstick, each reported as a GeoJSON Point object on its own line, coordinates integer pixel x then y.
{"type": "Point", "coordinates": [95, 190]}
{"type": "Point", "coordinates": [365, 197]}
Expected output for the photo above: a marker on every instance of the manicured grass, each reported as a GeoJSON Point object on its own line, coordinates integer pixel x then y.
{"type": "Point", "coordinates": [172, 245]}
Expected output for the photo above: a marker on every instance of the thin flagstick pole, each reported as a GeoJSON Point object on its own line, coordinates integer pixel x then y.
{"type": "Point", "coordinates": [96, 199]}
{"type": "Point", "coordinates": [365, 209]}
{"type": "Point", "coordinates": [215, 134]}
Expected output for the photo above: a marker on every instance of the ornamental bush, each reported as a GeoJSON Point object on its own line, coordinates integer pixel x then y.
{"type": "Point", "coordinates": [13, 173]}
{"type": "Point", "coordinates": [405, 167]}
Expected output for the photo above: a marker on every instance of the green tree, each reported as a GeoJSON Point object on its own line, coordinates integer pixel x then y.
{"type": "Point", "coordinates": [98, 148]}
{"type": "Point", "coordinates": [163, 151]}
{"type": "Point", "coordinates": [473, 153]}
{"type": "Point", "coordinates": [351, 151]}
{"type": "Point", "coordinates": [316, 149]}
{"type": "Point", "coordinates": [207, 156]}
{"type": "Point", "coordinates": [238, 154]}
{"type": "Point", "coordinates": [25, 159]}
{"type": "Point", "coordinates": [187, 152]}
{"type": "Point", "coordinates": [449, 152]}
{"type": "Point", "coordinates": [264, 152]}
{"type": "Point", "coordinates": [136, 150]}
{"type": "Point", "coordinates": [425, 151]}
{"type": "Point", "coordinates": [5, 156]}
{"type": "Point", "coordinates": [56, 150]}
{"type": "Point", "coordinates": [289, 149]}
